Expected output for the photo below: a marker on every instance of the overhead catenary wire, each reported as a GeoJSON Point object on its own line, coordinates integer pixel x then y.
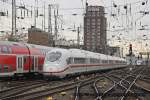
{"type": "Point", "coordinates": [67, 23]}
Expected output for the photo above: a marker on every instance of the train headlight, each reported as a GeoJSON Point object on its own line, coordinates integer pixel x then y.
{"type": "Point", "coordinates": [46, 65]}
{"type": "Point", "coordinates": [130, 69]}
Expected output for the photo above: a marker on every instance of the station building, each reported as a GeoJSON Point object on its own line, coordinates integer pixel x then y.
{"type": "Point", "coordinates": [39, 37]}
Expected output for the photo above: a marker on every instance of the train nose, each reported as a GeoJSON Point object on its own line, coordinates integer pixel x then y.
{"type": "Point", "coordinates": [50, 68]}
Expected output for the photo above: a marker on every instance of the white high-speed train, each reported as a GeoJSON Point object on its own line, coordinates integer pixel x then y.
{"type": "Point", "coordinates": [64, 62]}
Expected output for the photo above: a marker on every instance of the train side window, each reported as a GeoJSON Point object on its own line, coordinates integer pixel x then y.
{"type": "Point", "coordinates": [93, 60]}
{"type": "Point", "coordinates": [10, 50]}
{"type": "Point", "coordinates": [42, 52]}
{"type": "Point", "coordinates": [5, 50]}
{"type": "Point", "coordinates": [79, 60]}
{"type": "Point", "coordinates": [69, 60]}
{"type": "Point", "coordinates": [117, 62]}
{"type": "Point", "coordinates": [32, 67]}
{"type": "Point", "coordinates": [111, 61]}
{"type": "Point", "coordinates": [104, 61]}
{"type": "Point", "coordinates": [10, 68]}
{"type": "Point", "coordinates": [40, 67]}
{"type": "Point", "coordinates": [120, 62]}
{"type": "Point", "coordinates": [45, 52]}
{"type": "Point", "coordinates": [0, 68]}
{"type": "Point", "coordinates": [100, 61]}
{"type": "Point", "coordinates": [25, 59]}
{"type": "Point", "coordinates": [5, 68]}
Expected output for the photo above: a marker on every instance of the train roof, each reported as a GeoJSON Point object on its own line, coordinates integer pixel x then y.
{"type": "Point", "coordinates": [89, 54]}
{"type": "Point", "coordinates": [38, 46]}
{"type": "Point", "coordinates": [84, 53]}
{"type": "Point", "coordinates": [77, 53]}
{"type": "Point", "coordinates": [9, 43]}
{"type": "Point", "coordinates": [20, 44]}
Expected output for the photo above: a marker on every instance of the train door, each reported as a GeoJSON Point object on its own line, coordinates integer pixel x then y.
{"type": "Point", "coordinates": [20, 64]}
{"type": "Point", "coordinates": [36, 63]}
{"type": "Point", "coordinates": [32, 64]}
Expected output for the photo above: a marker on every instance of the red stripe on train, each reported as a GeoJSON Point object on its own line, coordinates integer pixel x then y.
{"type": "Point", "coordinates": [80, 65]}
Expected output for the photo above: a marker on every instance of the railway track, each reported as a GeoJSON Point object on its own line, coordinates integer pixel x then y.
{"type": "Point", "coordinates": [125, 84]}
{"type": "Point", "coordinates": [87, 91]}
{"type": "Point", "coordinates": [48, 91]}
{"type": "Point", "coordinates": [80, 90]}
{"type": "Point", "coordinates": [23, 82]}
{"type": "Point", "coordinates": [142, 88]}
{"type": "Point", "coordinates": [8, 85]}
{"type": "Point", "coordinates": [115, 91]}
{"type": "Point", "coordinates": [143, 83]}
{"type": "Point", "coordinates": [21, 88]}
{"type": "Point", "coordinates": [99, 94]}
{"type": "Point", "coordinates": [121, 89]}
{"type": "Point", "coordinates": [138, 91]}
{"type": "Point", "coordinates": [100, 89]}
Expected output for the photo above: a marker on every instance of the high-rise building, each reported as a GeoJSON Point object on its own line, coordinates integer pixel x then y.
{"type": "Point", "coordinates": [95, 29]}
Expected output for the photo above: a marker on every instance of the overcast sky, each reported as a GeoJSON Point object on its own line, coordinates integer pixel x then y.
{"type": "Point", "coordinates": [122, 29]}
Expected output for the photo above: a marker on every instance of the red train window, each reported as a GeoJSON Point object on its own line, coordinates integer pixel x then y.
{"type": "Point", "coordinates": [10, 68]}
{"type": "Point", "coordinates": [5, 68]}
{"type": "Point", "coordinates": [5, 50]}
{"type": "Point", "coordinates": [0, 68]}
{"type": "Point", "coordinates": [25, 59]}
{"type": "Point", "coordinates": [10, 50]}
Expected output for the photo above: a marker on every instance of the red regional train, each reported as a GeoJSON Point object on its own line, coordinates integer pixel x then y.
{"type": "Point", "coordinates": [20, 58]}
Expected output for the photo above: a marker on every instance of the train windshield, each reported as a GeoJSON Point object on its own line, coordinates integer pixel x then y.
{"type": "Point", "coordinates": [53, 56]}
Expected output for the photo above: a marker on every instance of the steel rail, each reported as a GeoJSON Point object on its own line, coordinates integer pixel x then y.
{"type": "Point", "coordinates": [50, 90]}
{"type": "Point", "coordinates": [129, 88]}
